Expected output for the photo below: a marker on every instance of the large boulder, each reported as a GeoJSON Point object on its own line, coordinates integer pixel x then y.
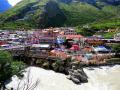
{"type": "Point", "coordinates": [77, 74]}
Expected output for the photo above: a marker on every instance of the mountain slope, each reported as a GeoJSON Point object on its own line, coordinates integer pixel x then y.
{"type": "Point", "coordinates": [55, 13]}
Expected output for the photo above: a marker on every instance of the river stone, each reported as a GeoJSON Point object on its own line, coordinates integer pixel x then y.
{"type": "Point", "coordinates": [75, 80]}
{"type": "Point", "coordinates": [77, 75]}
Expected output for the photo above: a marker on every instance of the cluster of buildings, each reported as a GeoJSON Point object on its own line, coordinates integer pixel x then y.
{"type": "Point", "coordinates": [58, 42]}
{"type": "Point", "coordinates": [37, 36]}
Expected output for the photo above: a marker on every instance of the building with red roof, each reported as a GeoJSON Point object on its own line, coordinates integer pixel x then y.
{"type": "Point", "coordinates": [75, 48]}
{"type": "Point", "coordinates": [72, 36]}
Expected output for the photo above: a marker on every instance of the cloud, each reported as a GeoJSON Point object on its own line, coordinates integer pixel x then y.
{"type": "Point", "coordinates": [14, 2]}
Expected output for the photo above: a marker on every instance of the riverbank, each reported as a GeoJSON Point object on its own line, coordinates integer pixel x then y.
{"type": "Point", "coordinates": [102, 78]}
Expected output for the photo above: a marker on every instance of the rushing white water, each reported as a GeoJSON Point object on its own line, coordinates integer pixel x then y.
{"type": "Point", "coordinates": [103, 78]}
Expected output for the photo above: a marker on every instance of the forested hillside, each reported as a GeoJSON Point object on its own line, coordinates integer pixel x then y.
{"type": "Point", "coordinates": [56, 13]}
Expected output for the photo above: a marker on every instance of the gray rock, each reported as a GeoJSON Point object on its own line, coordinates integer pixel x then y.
{"type": "Point", "coordinates": [75, 80]}
{"type": "Point", "coordinates": [77, 75]}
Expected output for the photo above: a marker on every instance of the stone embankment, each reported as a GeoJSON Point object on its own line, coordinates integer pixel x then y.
{"type": "Point", "coordinates": [70, 67]}
{"type": "Point", "coordinates": [73, 69]}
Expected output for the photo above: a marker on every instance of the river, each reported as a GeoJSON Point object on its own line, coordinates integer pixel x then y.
{"type": "Point", "coordinates": [99, 78]}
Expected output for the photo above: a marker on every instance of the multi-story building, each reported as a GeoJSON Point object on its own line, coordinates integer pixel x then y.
{"type": "Point", "coordinates": [117, 37]}
{"type": "Point", "coordinates": [48, 36]}
{"type": "Point", "coordinates": [69, 31]}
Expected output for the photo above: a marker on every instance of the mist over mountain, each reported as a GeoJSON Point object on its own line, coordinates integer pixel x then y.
{"type": "Point", "coordinates": [4, 5]}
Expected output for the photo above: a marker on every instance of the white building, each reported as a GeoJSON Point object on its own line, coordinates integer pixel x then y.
{"type": "Point", "coordinates": [117, 37]}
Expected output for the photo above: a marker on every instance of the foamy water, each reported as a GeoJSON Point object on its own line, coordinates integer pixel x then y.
{"type": "Point", "coordinates": [104, 78]}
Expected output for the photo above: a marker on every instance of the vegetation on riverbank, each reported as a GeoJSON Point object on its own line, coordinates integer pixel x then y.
{"type": "Point", "coordinates": [8, 68]}
{"type": "Point", "coordinates": [116, 48]}
{"type": "Point", "coordinates": [104, 25]}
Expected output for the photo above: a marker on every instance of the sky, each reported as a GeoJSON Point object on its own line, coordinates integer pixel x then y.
{"type": "Point", "coordinates": [13, 2]}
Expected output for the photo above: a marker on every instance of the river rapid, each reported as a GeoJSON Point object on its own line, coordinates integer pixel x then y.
{"type": "Point", "coordinates": [99, 78]}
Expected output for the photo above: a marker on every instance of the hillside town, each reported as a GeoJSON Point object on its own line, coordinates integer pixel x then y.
{"type": "Point", "coordinates": [60, 49]}
{"type": "Point", "coordinates": [59, 43]}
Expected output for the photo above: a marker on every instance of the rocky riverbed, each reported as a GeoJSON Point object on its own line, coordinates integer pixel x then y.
{"type": "Point", "coordinates": [99, 78]}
